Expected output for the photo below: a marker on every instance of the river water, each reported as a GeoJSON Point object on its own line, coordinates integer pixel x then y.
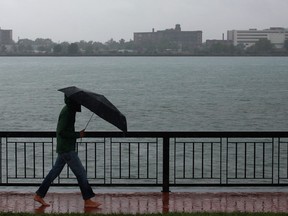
{"type": "Point", "coordinates": [155, 93]}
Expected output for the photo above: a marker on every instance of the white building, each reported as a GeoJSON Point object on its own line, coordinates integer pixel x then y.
{"type": "Point", "coordinates": [276, 35]}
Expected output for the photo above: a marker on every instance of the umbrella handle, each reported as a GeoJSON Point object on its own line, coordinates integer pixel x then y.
{"type": "Point", "coordinates": [89, 121]}
{"type": "Point", "coordinates": [87, 125]}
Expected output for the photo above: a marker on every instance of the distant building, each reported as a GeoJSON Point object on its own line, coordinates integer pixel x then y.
{"type": "Point", "coordinates": [5, 37]}
{"type": "Point", "coordinates": [182, 40]}
{"type": "Point", "coordinates": [276, 35]}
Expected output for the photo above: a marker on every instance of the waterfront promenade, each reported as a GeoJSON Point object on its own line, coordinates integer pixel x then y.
{"type": "Point", "coordinates": [205, 172]}
{"type": "Point", "coordinates": [207, 200]}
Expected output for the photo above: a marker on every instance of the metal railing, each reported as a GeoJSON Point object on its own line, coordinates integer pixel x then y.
{"type": "Point", "coordinates": [161, 159]}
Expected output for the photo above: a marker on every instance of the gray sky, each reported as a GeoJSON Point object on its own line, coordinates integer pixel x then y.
{"type": "Point", "coordinates": [101, 20]}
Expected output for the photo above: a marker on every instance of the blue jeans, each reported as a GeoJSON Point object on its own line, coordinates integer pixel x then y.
{"type": "Point", "coordinates": [73, 161]}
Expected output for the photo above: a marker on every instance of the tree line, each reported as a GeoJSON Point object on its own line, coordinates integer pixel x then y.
{"type": "Point", "coordinates": [262, 47]}
{"type": "Point", "coordinates": [48, 47]}
{"type": "Point", "coordinates": [111, 47]}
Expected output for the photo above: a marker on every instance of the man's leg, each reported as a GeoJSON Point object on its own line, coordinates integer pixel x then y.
{"type": "Point", "coordinates": [77, 168]}
{"type": "Point", "coordinates": [44, 187]}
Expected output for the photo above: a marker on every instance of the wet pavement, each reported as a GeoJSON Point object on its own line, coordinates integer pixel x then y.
{"type": "Point", "coordinates": [148, 202]}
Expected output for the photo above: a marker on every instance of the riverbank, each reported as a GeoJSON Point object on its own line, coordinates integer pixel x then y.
{"type": "Point", "coordinates": [146, 55]}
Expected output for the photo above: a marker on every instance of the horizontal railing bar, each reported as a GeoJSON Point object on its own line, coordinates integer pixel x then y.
{"type": "Point", "coordinates": [154, 185]}
{"type": "Point", "coordinates": [153, 134]}
{"type": "Point", "coordinates": [249, 179]}
{"type": "Point", "coordinates": [126, 178]}
{"type": "Point", "coordinates": [229, 185]}
{"type": "Point", "coordinates": [92, 184]}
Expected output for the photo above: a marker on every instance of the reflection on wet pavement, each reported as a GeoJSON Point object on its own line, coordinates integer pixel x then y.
{"type": "Point", "coordinates": [149, 202]}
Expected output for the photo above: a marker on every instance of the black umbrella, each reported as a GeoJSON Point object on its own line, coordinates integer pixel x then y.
{"type": "Point", "coordinates": [98, 104]}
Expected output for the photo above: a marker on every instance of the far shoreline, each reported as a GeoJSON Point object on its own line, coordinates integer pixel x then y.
{"type": "Point", "coordinates": [141, 55]}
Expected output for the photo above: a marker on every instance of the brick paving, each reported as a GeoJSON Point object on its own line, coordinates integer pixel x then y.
{"type": "Point", "coordinates": [148, 202]}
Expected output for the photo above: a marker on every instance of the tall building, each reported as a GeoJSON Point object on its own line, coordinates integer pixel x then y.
{"type": "Point", "coordinates": [5, 37]}
{"type": "Point", "coordinates": [183, 40]}
{"type": "Point", "coordinates": [276, 35]}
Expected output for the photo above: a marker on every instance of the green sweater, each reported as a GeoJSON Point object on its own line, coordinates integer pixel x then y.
{"type": "Point", "coordinates": [66, 135]}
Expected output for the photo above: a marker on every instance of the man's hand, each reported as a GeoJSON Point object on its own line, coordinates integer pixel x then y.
{"type": "Point", "coordinates": [82, 133]}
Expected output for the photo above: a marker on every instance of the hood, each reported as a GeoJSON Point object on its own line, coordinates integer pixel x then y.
{"type": "Point", "coordinates": [72, 104]}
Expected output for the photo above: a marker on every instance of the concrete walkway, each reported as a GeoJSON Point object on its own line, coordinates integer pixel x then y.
{"type": "Point", "coordinates": [148, 202]}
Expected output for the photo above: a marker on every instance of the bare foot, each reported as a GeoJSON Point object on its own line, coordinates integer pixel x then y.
{"type": "Point", "coordinates": [91, 204]}
{"type": "Point", "coordinates": [39, 199]}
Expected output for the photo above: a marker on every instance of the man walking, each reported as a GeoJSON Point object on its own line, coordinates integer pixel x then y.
{"type": "Point", "coordinates": [66, 141]}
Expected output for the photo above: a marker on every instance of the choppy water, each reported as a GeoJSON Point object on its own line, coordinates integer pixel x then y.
{"type": "Point", "coordinates": [155, 93]}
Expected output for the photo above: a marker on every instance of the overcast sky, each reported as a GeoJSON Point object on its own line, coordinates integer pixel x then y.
{"type": "Point", "coordinates": [101, 20]}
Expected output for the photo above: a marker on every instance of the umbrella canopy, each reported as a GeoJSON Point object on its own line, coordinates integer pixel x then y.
{"type": "Point", "coordinates": [98, 104]}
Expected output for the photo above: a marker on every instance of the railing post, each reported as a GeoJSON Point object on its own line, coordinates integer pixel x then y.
{"type": "Point", "coordinates": [166, 161]}
{"type": "Point", "coordinates": [0, 160]}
